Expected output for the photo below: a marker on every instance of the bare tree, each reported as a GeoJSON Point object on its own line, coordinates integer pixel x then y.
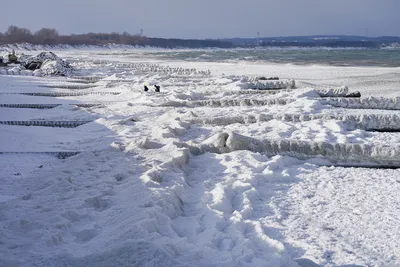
{"type": "Point", "coordinates": [15, 34]}
{"type": "Point", "coordinates": [47, 36]}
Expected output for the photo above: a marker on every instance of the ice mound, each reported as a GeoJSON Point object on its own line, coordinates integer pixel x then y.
{"type": "Point", "coordinates": [263, 83]}
{"type": "Point", "coordinates": [47, 64]}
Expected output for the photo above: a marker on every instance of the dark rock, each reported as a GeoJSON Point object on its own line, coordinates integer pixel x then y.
{"type": "Point", "coordinates": [268, 79]}
{"type": "Point", "coordinates": [33, 66]}
{"type": "Point", "coordinates": [354, 94]}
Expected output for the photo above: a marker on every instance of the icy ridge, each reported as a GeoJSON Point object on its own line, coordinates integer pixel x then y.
{"type": "Point", "coordinates": [230, 141]}
{"type": "Point", "coordinates": [364, 103]}
{"type": "Point", "coordinates": [261, 84]}
{"type": "Point", "coordinates": [360, 121]}
{"type": "Point", "coordinates": [227, 102]}
{"type": "Point", "coordinates": [333, 92]}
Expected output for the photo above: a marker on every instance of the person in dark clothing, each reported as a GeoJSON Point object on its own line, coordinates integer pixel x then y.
{"type": "Point", "coordinates": [157, 88]}
{"type": "Point", "coordinates": [146, 88]}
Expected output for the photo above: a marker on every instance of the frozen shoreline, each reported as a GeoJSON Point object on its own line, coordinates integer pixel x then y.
{"type": "Point", "coordinates": [139, 194]}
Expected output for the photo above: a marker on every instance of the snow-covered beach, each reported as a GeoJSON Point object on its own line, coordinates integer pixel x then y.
{"type": "Point", "coordinates": [205, 173]}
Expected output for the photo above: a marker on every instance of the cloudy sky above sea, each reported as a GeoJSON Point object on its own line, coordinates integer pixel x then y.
{"type": "Point", "coordinates": [207, 18]}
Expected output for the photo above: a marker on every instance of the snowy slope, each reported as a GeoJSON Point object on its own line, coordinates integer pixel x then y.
{"type": "Point", "coordinates": [204, 173]}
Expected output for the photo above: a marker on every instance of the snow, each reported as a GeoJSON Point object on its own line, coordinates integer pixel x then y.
{"type": "Point", "coordinates": [204, 173]}
{"type": "Point", "coordinates": [46, 64]}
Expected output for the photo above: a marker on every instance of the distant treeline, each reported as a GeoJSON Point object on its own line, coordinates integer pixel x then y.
{"type": "Point", "coordinates": [48, 36]}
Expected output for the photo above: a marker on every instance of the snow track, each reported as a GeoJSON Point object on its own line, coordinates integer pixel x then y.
{"type": "Point", "coordinates": [60, 124]}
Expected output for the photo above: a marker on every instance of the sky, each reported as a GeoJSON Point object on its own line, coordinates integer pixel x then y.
{"type": "Point", "coordinates": [207, 18]}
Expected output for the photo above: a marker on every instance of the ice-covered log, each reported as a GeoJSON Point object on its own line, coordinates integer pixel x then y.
{"type": "Point", "coordinates": [227, 102]}
{"type": "Point", "coordinates": [364, 103]}
{"type": "Point", "coordinates": [264, 92]}
{"type": "Point", "coordinates": [230, 141]}
{"type": "Point", "coordinates": [243, 119]}
{"type": "Point", "coordinates": [337, 92]}
{"type": "Point", "coordinates": [342, 91]}
{"type": "Point", "coordinates": [368, 122]}
{"type": "Point", "coordinates": [372, 122]}
{"type": "Point", "coordinates": [265, 84]}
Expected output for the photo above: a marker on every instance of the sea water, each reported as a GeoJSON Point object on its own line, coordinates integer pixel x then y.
{"type": "Point", "coordinates": [298, 56]}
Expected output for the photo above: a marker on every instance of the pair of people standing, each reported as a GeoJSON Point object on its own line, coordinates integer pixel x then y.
{"type": "Point", "coordinates": [156, 88]}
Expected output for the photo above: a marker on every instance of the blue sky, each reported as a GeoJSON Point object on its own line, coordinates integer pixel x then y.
{"type": "Point", "coordinates": [207, 18]}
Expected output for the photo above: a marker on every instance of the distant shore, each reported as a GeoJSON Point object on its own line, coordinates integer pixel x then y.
{"type": "Point", "coordinates": [48, 36]}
